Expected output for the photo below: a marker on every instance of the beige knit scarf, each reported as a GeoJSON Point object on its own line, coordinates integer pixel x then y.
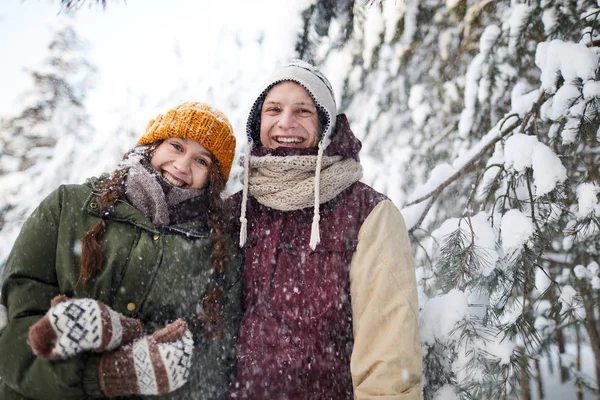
{"type": "Point", "coordinates": [287, 183]}
{"type": "Point", "coordinates": [290, 183]}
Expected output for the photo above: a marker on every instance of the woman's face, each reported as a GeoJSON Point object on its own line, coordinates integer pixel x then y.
{"type": "Point", "coordinates": [183, 163]}
{"type": "Point", "coordinates": [289, 118]}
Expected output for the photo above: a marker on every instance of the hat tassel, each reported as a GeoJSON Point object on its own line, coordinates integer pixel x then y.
{"type": "Point", "coordinates": [243, 219]}
{"type": "Point", "coordinates": [315, 237]}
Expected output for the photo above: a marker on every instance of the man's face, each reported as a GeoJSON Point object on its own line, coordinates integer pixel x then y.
{"type": "Point", "coordinates": [289, 118]}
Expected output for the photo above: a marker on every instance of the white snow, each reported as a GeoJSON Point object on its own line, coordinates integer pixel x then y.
{"type": "Point", "coordinates": [373, 30]}
{"type": "Point", "coordinates": [440, 315]}
{"type": "Point", "coordinates": [591, 89]}
{"type": "Point", "coordinates": [571, 302]}
{"type": "Point", "coordinates": [581, 272]}
{"type": "Point", "coordinates": [587, 200]}
{"type": "Point", "coordinates": [483, 236]}
{"type": "Point", "coordinates": [485, 240]}
{"type": "Point", "coordinates": [521, 102]}
{"type": "Point", "coordinates": [572, 60]}
{"type": "Point", "coordinates": [549, 20]}
{"type": "Point", "coordinates": [523, 151]}
{"type": "Point", "coordinates": [548, 170]}
{"type": "Point", "coordinates": [518, 18]}
{"type": "Point", "coordinates": [517, 152]}
{"type": "Point", "coordinates": [594, 268]}
{"type": "Point", "coordinates": [446, 392]}
{"type": "Point", "coordinates": [542, 281]}
{"type": "Point", "coordinates": [420, 109]}
{"type": "Point", "coordinates": [438, 175]}
{"type": "Point", "coordinates": [516, 230]}
{"type": "Point", "coordinates": [561, 101]}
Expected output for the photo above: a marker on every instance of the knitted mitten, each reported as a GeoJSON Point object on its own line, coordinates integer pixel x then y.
{"type": "Point", "coordinates": [153, 365]}
{"type": "Point", "coordinates": [73, 326]}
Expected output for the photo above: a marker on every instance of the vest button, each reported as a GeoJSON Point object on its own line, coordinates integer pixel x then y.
{"type": "Point", "coordinates": [131, 306]}
{"type": "Point", "coordinates": [156, 236]}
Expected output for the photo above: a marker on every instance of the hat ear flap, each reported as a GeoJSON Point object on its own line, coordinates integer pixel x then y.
{"type": "Point", "coordinates": [255, 128]}
{"type": "Point", "coordinates": [322, 120]}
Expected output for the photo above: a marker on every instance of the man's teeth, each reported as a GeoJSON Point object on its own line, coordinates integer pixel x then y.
{"type": "Point", "coordinates": [172, 180]}
{"type": "Point", "coordinates": [289, 139]}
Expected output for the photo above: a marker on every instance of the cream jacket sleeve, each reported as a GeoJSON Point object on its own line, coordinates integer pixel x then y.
{"type": "Point", "coordinates": [386, 357]}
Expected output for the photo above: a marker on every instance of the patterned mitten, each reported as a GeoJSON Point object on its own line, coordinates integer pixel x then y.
{"type": "Point", "coordinates": [153, 365]}
{"type": "Point", "coordinates": [73, 326]}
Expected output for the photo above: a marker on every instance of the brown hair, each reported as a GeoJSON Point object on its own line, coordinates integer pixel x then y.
{"type": "Point", "coordinates": [210, 304]}
{"type": "Point", "coordinates": [113, 188]}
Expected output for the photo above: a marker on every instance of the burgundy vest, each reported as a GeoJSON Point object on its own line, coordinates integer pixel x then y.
{"type": "Point", "coordinates": [295, 338]}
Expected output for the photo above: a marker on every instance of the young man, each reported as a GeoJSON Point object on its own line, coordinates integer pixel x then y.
{"type": "Point", "coordinates": [330, 292]}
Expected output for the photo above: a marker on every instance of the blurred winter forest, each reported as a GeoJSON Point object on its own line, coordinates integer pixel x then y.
{"type": "Point", "coordinates": [479, 118]}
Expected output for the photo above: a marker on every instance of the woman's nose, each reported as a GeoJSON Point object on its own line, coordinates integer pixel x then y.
{"type": "Point", "coordinates": [182, 164]}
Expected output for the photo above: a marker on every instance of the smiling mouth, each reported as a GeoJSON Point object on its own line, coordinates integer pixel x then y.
{"type": "Point", "coordinates": [288, 139]}
{"type": "Point", "coordinates": [171, 180]}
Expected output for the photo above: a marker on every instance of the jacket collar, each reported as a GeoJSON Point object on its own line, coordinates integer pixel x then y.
{"type": "Point", "coordinates": [125, 212]}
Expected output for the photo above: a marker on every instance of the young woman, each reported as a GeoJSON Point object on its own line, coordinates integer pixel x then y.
{"type": "Point", "coordinates": [126, 285]}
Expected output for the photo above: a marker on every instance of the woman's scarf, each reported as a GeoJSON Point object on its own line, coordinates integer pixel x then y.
{"type": "Point", "coordinates": [164, 204]}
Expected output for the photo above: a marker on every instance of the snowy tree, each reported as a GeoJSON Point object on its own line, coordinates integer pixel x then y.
{"type": "Point", "coordinates": [43, 141]}
{"type": "Point", "coordinates": [492, 108]}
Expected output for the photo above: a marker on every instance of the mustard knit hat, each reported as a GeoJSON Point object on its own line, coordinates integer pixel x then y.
{"type": "Point", "coordinates": [200, 122]}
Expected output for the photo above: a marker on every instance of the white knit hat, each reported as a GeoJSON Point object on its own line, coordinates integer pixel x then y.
{"type": "Point", "coordinates": [319, 88]}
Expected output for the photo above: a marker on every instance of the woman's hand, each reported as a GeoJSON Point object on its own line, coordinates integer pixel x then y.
{"type": "Point", "coordinates": [153, 365]}
{"type": "Point", "coordinates": [73, 326]}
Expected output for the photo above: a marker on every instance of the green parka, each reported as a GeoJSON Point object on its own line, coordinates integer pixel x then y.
{"type": "Point", "coordinates": [154, 275]}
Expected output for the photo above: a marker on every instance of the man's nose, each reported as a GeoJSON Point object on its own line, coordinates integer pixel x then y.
{"type": "Point", "coordinates": [287, 120]}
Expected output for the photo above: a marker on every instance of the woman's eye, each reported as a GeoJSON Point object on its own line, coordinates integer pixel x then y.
{"type": "Point", "coordinates": [304, 111]}
{"type": "Point", "coordinates": [202, 161]}
{"type": "Point", "coordinates": [177, 146]}
{"type": "Point", "coordinates": [272, 109]}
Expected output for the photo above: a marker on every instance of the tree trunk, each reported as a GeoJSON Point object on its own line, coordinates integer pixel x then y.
{"type": "Point", "coordinates": [590, 326]}
{"type": "Point", "coordinates": [540, 384]}
{"type": "Point", "coordinates": [525, 388]}
{"type": "Point", "coordinates": [560, 342]}
{"type": "Point", "coordinates": [578, 388]}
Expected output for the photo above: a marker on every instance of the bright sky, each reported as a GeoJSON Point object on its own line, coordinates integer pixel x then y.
{"type": "Point", "coordinates": [150, 48]}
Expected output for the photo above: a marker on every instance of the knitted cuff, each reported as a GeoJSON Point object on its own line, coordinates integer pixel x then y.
{"type": "Point", "coordinates": [153, 365]}
{"type": "Point", "coordinates": [135, 369]}
{"type": "Point", "coordinates": [117, 373]}
{"type": "Point", "coordinates": [42, 339]}
{"type": "Point", "coordinates": [117, 329]}
{"type": "Point", "coordinates": [132, 329]}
